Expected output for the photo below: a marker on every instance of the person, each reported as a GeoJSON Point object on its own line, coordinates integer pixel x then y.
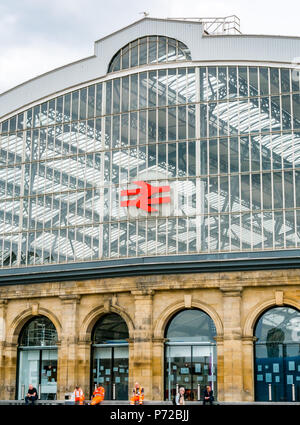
{"type": "Point", "coordinates": [98, 395]}
{"type": "Point", "coordinates": [78, 396]}
{"type": "Point", "coordinates": [208, 395]}
{"type": "Point", "coordinates": [137, 395]}
{"type": "Point", "coordinates": [31, 395]}
{"type": "Point", "coordinates": [179, 399]}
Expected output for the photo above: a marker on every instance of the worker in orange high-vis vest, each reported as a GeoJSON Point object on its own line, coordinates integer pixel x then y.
{"type": "Point", "coordinates": [78, 395]}
{"type": "Point", "coordinates": [98, 395]}
{"type": "Point", "coordinates": [137, 395]}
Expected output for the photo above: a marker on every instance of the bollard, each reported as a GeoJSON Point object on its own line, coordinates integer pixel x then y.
{"type": "Point", "coordinates": [270, 392]}
{"type": "Point", "coordinates": [114, 391]}
{"type": "Point", "coordinates": [293, 392]}
{"type": "Point", "coordinates": [22, 392]}
{"type": "Point", "coordinates": [39, 396]}
{"type": "Point", "coordinates": [177, 388]}
{"type": "Point", "coordinates": [198, 392]}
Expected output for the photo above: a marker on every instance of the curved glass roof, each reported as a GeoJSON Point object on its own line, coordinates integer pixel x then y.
{"type": "Point", "coordinates": [234, 172]}
{"type": "Point", "coordinates": [150, 49]}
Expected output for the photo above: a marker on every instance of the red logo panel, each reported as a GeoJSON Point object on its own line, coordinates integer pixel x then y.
{"type": "Point", "coordinates": [145, 200]}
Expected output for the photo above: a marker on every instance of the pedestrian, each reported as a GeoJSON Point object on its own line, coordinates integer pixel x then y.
{"type": "Point", "coordinates": [137, 395]}
{"type": "Point", "coordinates": [78, 396]}
{"type": "Point", "coordinates": [208, 395]}
{"type": "Point", "coordinates": [98, 395]}
{"type": "Point", "coordinates": [179, 399]}
{"type": "Point", "coordinates": [31, 395]}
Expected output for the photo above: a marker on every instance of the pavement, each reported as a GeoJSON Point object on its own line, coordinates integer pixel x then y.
{"type": "Point", "coordinates": [149, 403]}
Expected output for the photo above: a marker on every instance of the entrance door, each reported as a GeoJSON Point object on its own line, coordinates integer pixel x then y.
{"type": "Point", "coordinates": [192, 367]}
{"type": "Point", "coordinates": [277, 355]}
{"type": "Point", "coordinates": [110, 369]}
{"type": "Point", "coordinates": [277, 378]}
{"type": "Point", "coordinates": [39, 368]}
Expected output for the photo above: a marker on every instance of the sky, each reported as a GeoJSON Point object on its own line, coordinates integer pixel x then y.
{"type": "Point", "coordinates": [39, 35]}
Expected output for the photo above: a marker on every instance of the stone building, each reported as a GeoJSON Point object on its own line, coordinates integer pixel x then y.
{"type": "Point", "coordinates": [150, 218]}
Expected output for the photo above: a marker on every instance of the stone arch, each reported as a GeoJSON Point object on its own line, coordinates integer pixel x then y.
{"type": "Point", "coordinates": [259, 309]}
{"type": "Point", "coordinates": [94, 315]}
{"type": "Point", "coordinates": [22, 318]}
{"type": "Point", "coordinates": [171, 310]}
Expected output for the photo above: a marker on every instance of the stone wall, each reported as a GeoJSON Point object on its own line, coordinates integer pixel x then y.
{"type": "Point", "coordinates": [233, 300]}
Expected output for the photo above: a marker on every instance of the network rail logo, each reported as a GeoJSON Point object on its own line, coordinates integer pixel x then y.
{"type": "Point", "coordinates": [145, 199]}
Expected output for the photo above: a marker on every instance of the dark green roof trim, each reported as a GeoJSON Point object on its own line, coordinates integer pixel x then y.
{"type": "Point", "coordinates": [177, 264]}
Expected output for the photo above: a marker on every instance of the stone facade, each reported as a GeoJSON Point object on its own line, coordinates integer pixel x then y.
{"type": "Point", "coordinates": [234, 301]}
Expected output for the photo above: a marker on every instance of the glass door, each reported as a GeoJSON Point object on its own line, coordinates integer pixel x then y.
{"type": "Point", "coordinates": [192, 367]}
{"type": "Point", "coordinates": [48, 375]}
{"type": "Point", "coordinates": [102, 370]}
{"type": "Point", "coordinates": [277, 372]}
{"type": "Point", "coordinates": [204, 369]}
{"type": "Point", "coordinates": [178, 369]}
{"type": "Point", "coordinates": [120, 372]}
{"type": "Point", "coordinates": [39, 368]}
{"type": "Point", "coordinates": [110, 369]}
{"type": "Point", "coordinates": [28, 371]}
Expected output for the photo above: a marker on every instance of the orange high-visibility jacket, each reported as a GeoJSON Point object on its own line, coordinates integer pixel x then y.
{"type": "Point", "coordinates": [98, 395]}
{"type": "Point", "coordinates": [100, 391]}
{"type": "Point", "coordinates": [138, 391]}
{"type": "Point", "coordinates": [78, 394]}
{"type": "Point", "coordinates": [137, 396]}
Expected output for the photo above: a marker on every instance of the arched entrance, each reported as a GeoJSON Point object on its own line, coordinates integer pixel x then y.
{"type": "Point", "coordinates": [190, 354]}
{"type": "Point", "coordinates": [277, 355]}
{"type": "Point", "coordinates": [37, 358]}
{"type": "Point", "coordinates": [110, 356]}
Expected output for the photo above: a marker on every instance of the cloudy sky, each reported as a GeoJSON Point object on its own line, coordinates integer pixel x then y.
{"type": "Point", "coordinates": [39, 35]}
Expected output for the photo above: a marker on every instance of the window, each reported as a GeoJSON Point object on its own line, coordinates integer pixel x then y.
{"type": "Point", "coordinates": [147, 50]}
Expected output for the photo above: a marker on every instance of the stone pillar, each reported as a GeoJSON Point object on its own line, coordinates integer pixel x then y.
{"type": "Point", "coordinates": [10, 378]}
{"type": "Point", "coordinates": [131, 362]}
{"type": "Point", "coordinates": [220, 367]}
{"type": "Point", "coordinates": [84, 366]}
{"type": "Point", "coordinates": [3, 306]}
{"type": "Point", "coordinates": [67, 347]}
{"type": "Point", "coordinates": [248, 367]}
{"type": "Point", "coordinates": [158, 354]}
{"type": "Point", "coordinates": [232, 345]}
{"type": "Point", "coordinates": [142, 346]}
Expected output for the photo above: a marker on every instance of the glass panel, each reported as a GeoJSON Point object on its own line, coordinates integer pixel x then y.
{"type": "Point", "coordinates": [277, 354]}
{"type": "Point", "coordinates": [162, 46]}
{"type": "Point", "coordinates": [102, 369]}
{"type": "Point", "coordinates": [285, 80]}
{"type": "Point", "coordinates": [134, 54]}
{"type": "Point", "coordinates": [191, 367]}
{"type": "Point", "coordinates": [125, 58]}
{"type": "Point", "coordinates": [178, 370]}
{"type": "Point", "coordinates": [49, 375]}
{"type": "Point", "coordinates": [28, 371]}
{"type": "Point", "coordinates": [110, 328]}
{"type": "Point", "coordinates": [143, 51]}
{"type": "Point", "coordinates": [152, 50]}
{"type": "Point", "coordinates": [134, 91]}
{"type": "Point", "coordinates": [191, 325]}
{"type": "Point", "coordinates": [39, 331]}
{"type": "Point", "coordinates": [120, 372]}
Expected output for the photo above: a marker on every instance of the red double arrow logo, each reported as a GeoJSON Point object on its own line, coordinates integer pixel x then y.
{"type": "Point", "coordinates": [144, 200]}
